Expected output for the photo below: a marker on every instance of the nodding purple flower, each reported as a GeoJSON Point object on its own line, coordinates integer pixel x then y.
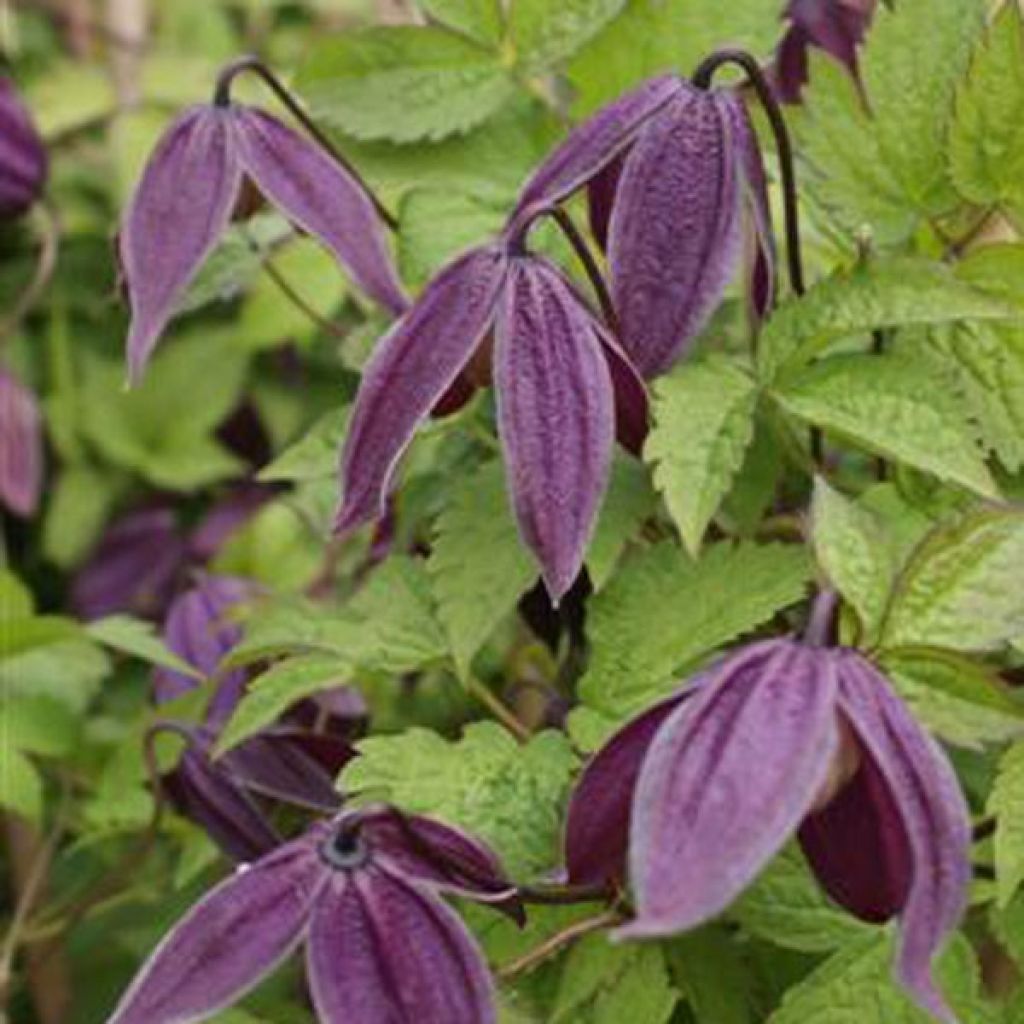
{"type": "Point", "coordinates": [559, 376]}
{"type": "Point", "coordinates": [21, 447]}
{"type": "Point", "coordinates": [837, 27]}
{"type": "Point", "coordinates": [363, 893]}
{"type": "Point", "coordinates": [676, 181]}
{"type": "Point", "coordinates": [188, 191]}
{"type": "Point", "coordinates": [782, 739]}
{"type": "Point", "coordinates": [23, 160]}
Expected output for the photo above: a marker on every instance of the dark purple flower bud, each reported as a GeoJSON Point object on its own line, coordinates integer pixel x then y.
{"type": "Point", "coordinates": [381, 946]}
{"type": "Point", "coordinates": [133, 568]}
{"type": "Point", "coordinates": [188, 191]}
{"type": "Point", "coordinates": [784, 737]}
{"type": "Point", "coordinates": [836, 27]}
{"type": "Point", "coordinates": [23, 161]}
{"type": "Point", "coordinates": [201, 630]}
{"type": "Point", "coordinates": [21, 447]}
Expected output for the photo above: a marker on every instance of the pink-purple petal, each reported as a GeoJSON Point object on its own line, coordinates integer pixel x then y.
{"type": "Point", "coordinates": [676, 229]}
{"type": "Point", "coordinates": [415, 363]}
{"type": "Point", "coordinates": [180, 208]}
{"type": "Point", "coordinates": [384, 951]}
{"type": "Point", "coordinates": [23, 159]}
{"type": "Point", "coordinates": [322, 198]}
{"type": "Point", "coordinates": [556, 417]}
{"type": "Point", "coordinates": [238, 933]}
{"type": "Point", "coordinates": [727, 780]}
{"type": "Point", "coordinates": [21, 447]}
{"type": "Point", "coordinates": [927, 795]}
{"type": "Point", "coordinates": [601, 199]}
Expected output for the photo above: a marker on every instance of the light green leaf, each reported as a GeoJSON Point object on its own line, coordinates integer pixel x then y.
{"type": "Point", "coordinates": [269, 695]}
{"type": "Point", "coordinates": [887, 405]}
{"type": "Point", "coordinates": [955, 697]}
{"type": "Point", "coordinates": [885, 170]}
{"type": "Point", "coordinates": [79, 506]}
{"type": "Point", "coordinates": [38, 724]}
{"type": "Point", "coordinates": [997, 269]}
{"type": "Point", "coordinates": [606, 983]}
{"type": "Point", "coordinates": [481, 20]}
{"type": "Point", "coordinates": [878, 294]}
{"type": "Point", "coordinates": [15, 598]}
{"type": "Point", "coordinates": [851, 548]}
{"type": "Point", "coordinates": [510, 795]}
{"type": "Point", "coordinates": [629, 500]}
{"type": "Point", "coordinates": [856, 986]}
{"type": "Point", "coordinates": [962, 587]}
{"type": "Point", "coordinates": [478, 565]}
{"type": "Point", "coordinates": [704, 422]}
{"type": "Point", "coordinates": [18, 636]}
{"type": "Point", "coordinates": [404, 83]}
{"type": "Point", "coordinates": [708, 967]}
{"type": "Point", "coordinates": [545, 34]}
{"type": "Point", "coordinates": [986, 142]}
{"type": "Point", "coordinates": [315, 455]}
{"type": "Point", "coordinates": [139, 639]}
{"type": "Point", "coordinates": [21, 788]}
{"type": "Point", "coordinates": [787, 906]}
{"type": "Point", "coordinates": [1006, 805]}
{"type": "Point", "coordinates": [662, 611]}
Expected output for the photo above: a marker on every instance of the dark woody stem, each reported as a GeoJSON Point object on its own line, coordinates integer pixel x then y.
{"type": "Point", "coordinates": [565, 895]}
{"type": "Point", "coordinates": [222, 98]}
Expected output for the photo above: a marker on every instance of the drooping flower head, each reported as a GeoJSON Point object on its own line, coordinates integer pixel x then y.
{"type": "Point", "coordinates": [190, 186]}
{"type": "Point", "coordinates": [21, 447]}
{"type": "Point", "coordinates": [675, 176]}
{"type": "Point", "coordinates": [782, 739]}
{"type": "Point", "coordinates": [23, 161]}
{"type": "Point", "coordinates": [363, 894]}
{"type": "Point", "coordinates": [560, 380]}
{"type": "Point", "coordinates": [836, 27]}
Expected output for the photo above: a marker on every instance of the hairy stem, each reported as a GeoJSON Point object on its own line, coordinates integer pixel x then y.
{"type": "Point", "coordinates": [555, 943]}
{"type": "Point", "coordinates": [222, 98]}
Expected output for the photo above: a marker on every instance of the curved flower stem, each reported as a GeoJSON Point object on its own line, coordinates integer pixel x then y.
{"type": "Point", "coordinates": [554, 944]}
{"type": "Point", "coordinates": [249, 62]}
{"type": "Point", "coordinates": [43, 274]}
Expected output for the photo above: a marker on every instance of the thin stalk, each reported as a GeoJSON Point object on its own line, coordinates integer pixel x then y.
{"type": "Point", "coordinates": [502, 713]}
{"type": "Point", "coordinates": [43, 274]}
{"type": "Point", "coordinates": [821, 622]}
{"type": "Point", "coordinates": [565, 895]}
{"type": "Point", "coordinates": [553, 945]}
{"type": "Point", "coordinates": [250, 62]}
{"type": "Point", "coordinates": [286, 289]}
{"type": "Point", "coordinates": [586, 257]}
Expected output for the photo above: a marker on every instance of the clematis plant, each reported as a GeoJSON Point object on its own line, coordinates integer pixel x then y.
{"type": "Point", "coordinates": [21, 447]}
{"type": "Point", "coordinates": [23, 159]}
{"type": "Point", "coordinates": [363, 893]}
{"type": "Point", "coordinates": [783, 738]}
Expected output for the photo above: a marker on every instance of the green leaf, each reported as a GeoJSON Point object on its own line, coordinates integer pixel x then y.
{"type": "Point", "coordinates": [512, 796]}
{"type": "Point", "coordinates": [25, 634]}
{"type": "Point", "coordinates": [80, 503]}
{"type": "Point", "coordinates": [856, 986]}
{"type": "Point", "coordinates": [787, 906]}
{"type": "Point", "coordinates": [21, 788]}
{"type": "Point", "coordinates": [629, 500]}
{"type": "Point", "coordinates": [886, 405]}
{"type": "Point", "coordinates": [269, 695]}
{"type": "Point", "coordinates": [986, 143]}
{"type": "Point", "coordinates": [15, 598]}
{"type": "Point", "coordinates": [956, 698]}
{"type": "Point", "coordinates": [997, 269]}
{"type": "Point", "coordinates": [877, 294]}
{"type": "Point", "coordinates": [481, 20]}
{"type": "Point", "coordinates": [315, 455]}
{"type": "Point", "coordinates": [606, 983]}
{"type": "Point", "coordinates": [38, 724]}
{"type": "Point", "coordinates": [1006, 805]}
{"type": "Point", "coordinates": [708, 967]}
{"type": "Point", "coordinates": [404, 84]}
{"type": "Point", "coordinates": [478, 565]}
{"type": "Point", "coordinates": [544, 34]}
{"type": "Point", "coordinates": [704, 422]}
{"type": "Point", "coordinates": [852, 550]}
{"type": "Point", "coordinates": [885, 170]}
{"type": "Point", "coordinates": [961, 589]}
{"type": "Point", "coordinates": [662, 611]}
{"type": "Point", "coordinates": [138, 639]}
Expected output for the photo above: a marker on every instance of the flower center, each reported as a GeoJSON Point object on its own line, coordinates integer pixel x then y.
{"type": "Point", "coordinates": [345, 850]}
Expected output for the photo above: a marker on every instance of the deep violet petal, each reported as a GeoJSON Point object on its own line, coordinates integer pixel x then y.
{"type": "Point", "coordinates": [21, 447]}
{"type": "Point", "coordinates": [601, 199]}
{"type": "Point", "coordinates": [556, 417]}
{"type": "Point", "coordinates": [414, 364]}
{"type": "Point", "coordinates": [238, 933]}
{"type": "Point", "coordinates": [319, 195]}
{"type": "Point", "coordinates": [676, 229]}
{"type": "Point", "coordinates": [179, 210]}
{"type": "Point", "coordinates": [727, 781]}
{"type": "Point", "coordinates": [23, 159]}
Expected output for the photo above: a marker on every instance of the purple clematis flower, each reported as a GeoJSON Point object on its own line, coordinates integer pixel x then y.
{"type": "Point", "coordinates": [23, 161]}
{"type": "Point", "coordinates": [675, 174]}
{"type": "Point", "coordinates": [782, 739]}
{"type": "Point", "coordinates": [188, 191]}
{"type": "Point", "coordinates": [837, 27]}
{"type": "Point", "coordinates": [21, 447]}
{"type": "Point", "coordinates": [363, 894]}
{"type": "Point", "coordinates": [560, 379]}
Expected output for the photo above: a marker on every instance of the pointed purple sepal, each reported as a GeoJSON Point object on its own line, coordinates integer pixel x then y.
{"type": "Point", "coordinates": [601, 200]}
{"type": "Point", "coordinates": [556, 417]}
{"type": "Point", "coordinates": [21, 447]}
{"type": "Point", "coordinates": [414, 365]}
{"type": "Point", "coordinates": [728, 779]}
{"type": "Point", "coordinates": [23, 159]}
{"type": "Point", "coordinates": [227, 942]}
